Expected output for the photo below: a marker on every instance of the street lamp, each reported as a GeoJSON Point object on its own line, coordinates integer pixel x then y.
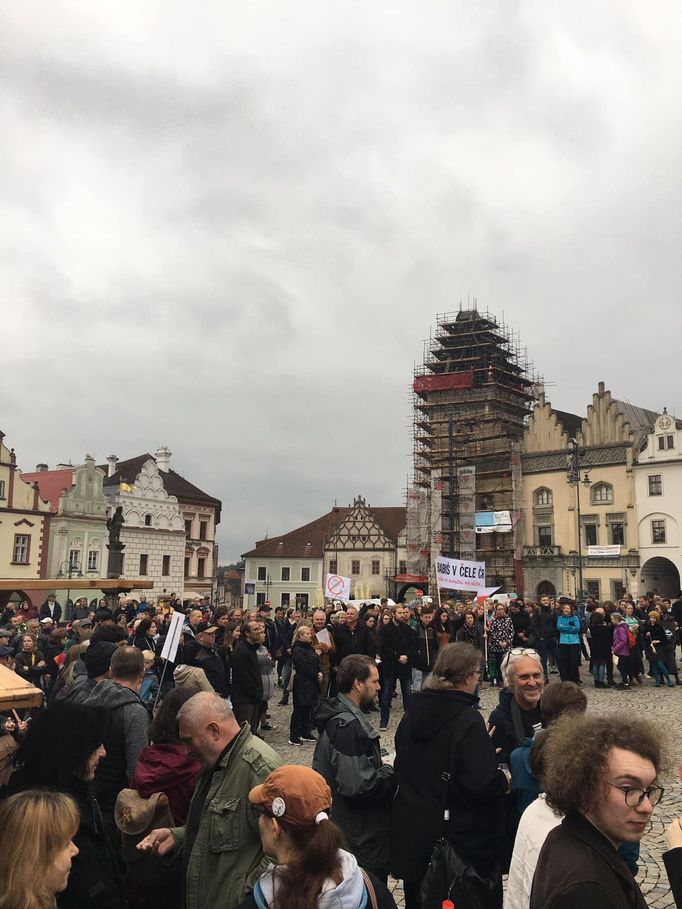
{"type": "Point", "coordinates": [575, 456]}
{"type": "Point", "coordinates": [74, 569]}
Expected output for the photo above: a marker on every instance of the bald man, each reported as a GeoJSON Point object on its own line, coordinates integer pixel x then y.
{"type": "Point", "coordinates": [222, 855]}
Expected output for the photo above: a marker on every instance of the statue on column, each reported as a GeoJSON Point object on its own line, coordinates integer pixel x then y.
{"type": "Point", "coordinates": [114, 524]}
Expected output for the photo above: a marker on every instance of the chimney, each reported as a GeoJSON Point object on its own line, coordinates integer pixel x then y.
{"type": "Point", "coordinates": [41, 468]}
{"type": "Point", "coordinates": [162, 456]}
{"type": "Point", "coordinates": [112, 460]}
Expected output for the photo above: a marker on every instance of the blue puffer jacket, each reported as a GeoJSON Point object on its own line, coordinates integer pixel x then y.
{"type": "Point", "coordinates": [568, 628]}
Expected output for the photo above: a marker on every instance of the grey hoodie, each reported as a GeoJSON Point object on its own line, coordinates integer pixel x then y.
{"type": "Point", "coordinates": [126, 736]}
{"type": "Point", "coordinates": [349, 893]}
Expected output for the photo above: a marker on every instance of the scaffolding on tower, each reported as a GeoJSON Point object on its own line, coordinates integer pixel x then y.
{"type": "Point", "coordinates": [471, 397]}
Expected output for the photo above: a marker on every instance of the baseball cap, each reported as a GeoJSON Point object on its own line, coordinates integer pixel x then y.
{"type": "Point", "coordinates": [85, 623]}
{"type": "Point", "coordinates": [47, 621]}
{"type": "Point", "coordinates": [265, 607]}
{"type": "Point", "coordinates": [295, 794]}
{"type": "Point", "coordinates": [204, 626]}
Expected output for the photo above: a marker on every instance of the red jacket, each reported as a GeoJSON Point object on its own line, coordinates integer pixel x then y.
{"type": "Point", "coordinates": [166, 768]}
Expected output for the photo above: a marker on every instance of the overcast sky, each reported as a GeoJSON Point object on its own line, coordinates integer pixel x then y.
{"type": "Point", "coordinates": [228, 227]}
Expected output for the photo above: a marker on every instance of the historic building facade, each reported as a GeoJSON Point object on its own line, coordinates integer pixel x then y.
{"type": "Point", "coordinates": [599, 511]}
{"type": "Point", "coordinates": [658, 489]}
{"type": "Point", "coordinates": [175, 505]}
{"type": "Point", "coordinates": [24, 526]}
{"type": "Point", "coordinates": [361, 542]}
{"type": "Point", "coordinates": [154, 530]}
{"type": "Point", "coordinates": [79, 507]}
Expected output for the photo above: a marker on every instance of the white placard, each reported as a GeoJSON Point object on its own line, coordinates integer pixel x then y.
{"type": "Point", "coordinates": [323, 636]}
{"type": "Point", "coordinates": [170, 645]}
{"type": "Point", "coordinates": [456, 574]}
{"type": "Point", "coordinates": [337, 587]}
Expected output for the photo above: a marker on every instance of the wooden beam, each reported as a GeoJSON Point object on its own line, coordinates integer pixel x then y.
{"type": "Point", "coordinates": [75, 584]}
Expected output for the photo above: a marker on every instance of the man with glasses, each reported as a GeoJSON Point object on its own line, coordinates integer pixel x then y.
{"type": "Point", "coordinates": [602, 774]}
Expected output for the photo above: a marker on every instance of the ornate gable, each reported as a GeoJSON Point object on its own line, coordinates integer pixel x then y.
{"type": "Point", "coordinates": [544, 431]}
{"type": "Point", "coordinates": [148, 496]}
{"type": "Point", "coordinates": [359, 530]}
{"type": "Point", "coordinates": [605, 423]}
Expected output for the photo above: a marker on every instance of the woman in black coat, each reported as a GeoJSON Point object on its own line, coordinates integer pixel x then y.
{"type": "Point", "coordinates": [307, 678]}
{"type": "Point", "coordinates": [443, 734]}
{"type": "Point", "coordinates": [145, 634]}
{"type": "Point", "coordinates": [61, 751]}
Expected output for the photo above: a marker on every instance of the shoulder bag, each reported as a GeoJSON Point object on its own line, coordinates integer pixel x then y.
{"type": "Point", "coordinates": [451, 877]}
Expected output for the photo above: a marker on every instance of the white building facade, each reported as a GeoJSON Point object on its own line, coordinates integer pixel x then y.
{"type": "Point", "coordinates": [153, 532]}
{"type": "Point", "coordinates": [658, 506]}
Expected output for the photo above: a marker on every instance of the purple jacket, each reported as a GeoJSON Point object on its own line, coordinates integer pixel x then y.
{"type": "Point", "coordinates": [620, 640]}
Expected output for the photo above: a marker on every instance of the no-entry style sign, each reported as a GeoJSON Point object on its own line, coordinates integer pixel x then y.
{"type": "Point", "coordinates": [337, 587]}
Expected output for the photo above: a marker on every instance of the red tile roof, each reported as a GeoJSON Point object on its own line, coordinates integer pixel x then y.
{"type": "Point", "coordinates": [307, 542]}
{"type": "Point", "coordinates": [51, 484]}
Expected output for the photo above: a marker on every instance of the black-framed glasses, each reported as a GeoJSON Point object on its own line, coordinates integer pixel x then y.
{"type": "Point", "coordinates": [634, 796]}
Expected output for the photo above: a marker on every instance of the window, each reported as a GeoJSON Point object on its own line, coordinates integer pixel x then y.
{"type": "Point", "coordinates": [658, 531]}
{"type": "Point", "coordinates": [262, 573]}
{"type": "Point", "coordinates": [22, 549]}
{"type": "Point", "coordinates": [144, 559]}
{"type": "Point", "coordinates": [285, 600]}
{"type": "Point", "coordinates": [147, 520]}
{"type": "Point", "coordinates": [592, 589]}
{"type": "Point", "coordinates": [186, 566]}
{"type": "Point", "coordinates": [74, 559]}
{"type": "Point", "coordinates": [93, 558]}
{"type": "Point", "coordinates": [617, 590]}
{"type": "Point", "coordinates": [188, 529]}
{"type": "Point", "coordinates": [402, 567]}
{"type": "Point", "coordinates": [617, 534]}
{"type": "Point", "coordinates": [302, 601]}
{"type": "Point", "coordinates": [544, 536]}
{"type": "Point", "coordinates": [260, 598]}
{"type": "Point", "coordinates": [2, 489]}
{"type": "Point", "coordinates": [355, 566]}
{"type": "Point", "coordinates": [332, 566]}
{"type": "Point", "coordinates": [543, 496]}
{"type": "Point", "coordinates": [655, 484]}
{"type": "Point", "coordinates": [201, 567]}
{"type": "Point", "coordinates": [590, 534]}
{"type": "Point", "coordinates": [665, 442]}
{"type": "Point", "coordinates": [602, 494]}
{"type": "Point", "coordinates": [202, 529]}
{"type": "Point", "coordinates": [376, 566]}
{"type": "Point", "coordinates": [165, 566]}
{"type": "Point", "coordinates": [286, 573]}
{"type": "Point", "coordinates": [305, 574]}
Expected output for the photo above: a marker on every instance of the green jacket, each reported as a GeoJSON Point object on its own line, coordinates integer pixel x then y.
{"type": "Point", "coordinates": [227, 857]}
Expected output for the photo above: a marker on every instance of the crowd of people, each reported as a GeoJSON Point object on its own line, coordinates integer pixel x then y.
{"type": "Point", "coordinates": [146, 782]}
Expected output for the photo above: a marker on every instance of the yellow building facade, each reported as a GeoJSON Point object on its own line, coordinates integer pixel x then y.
{"type": "Point", "coordinates": [593, 522]}
{"type": "Point", "coordinates": [24, 522]}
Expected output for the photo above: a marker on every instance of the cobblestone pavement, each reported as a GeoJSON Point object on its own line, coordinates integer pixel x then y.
{"type": "Point", "coordinates": [663, 705]}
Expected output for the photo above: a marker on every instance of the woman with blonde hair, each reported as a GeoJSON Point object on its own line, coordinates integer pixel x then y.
{"type": "Point", "coordinates": [36, 834]}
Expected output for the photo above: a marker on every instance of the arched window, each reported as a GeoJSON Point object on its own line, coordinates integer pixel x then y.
{"type": "Point", "coordinates": [601, 494]}
{"type": "Point", "coordinates": [543, 496]}
{"type": "Point", "coordinates": [147, 520]}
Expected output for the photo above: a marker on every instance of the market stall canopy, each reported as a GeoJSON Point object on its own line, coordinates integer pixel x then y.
{"type": "Point", "coordinates": [16, 693]}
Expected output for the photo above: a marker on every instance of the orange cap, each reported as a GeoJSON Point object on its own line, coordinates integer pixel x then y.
{"type": "Point", "coordinates": [294, 794]}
